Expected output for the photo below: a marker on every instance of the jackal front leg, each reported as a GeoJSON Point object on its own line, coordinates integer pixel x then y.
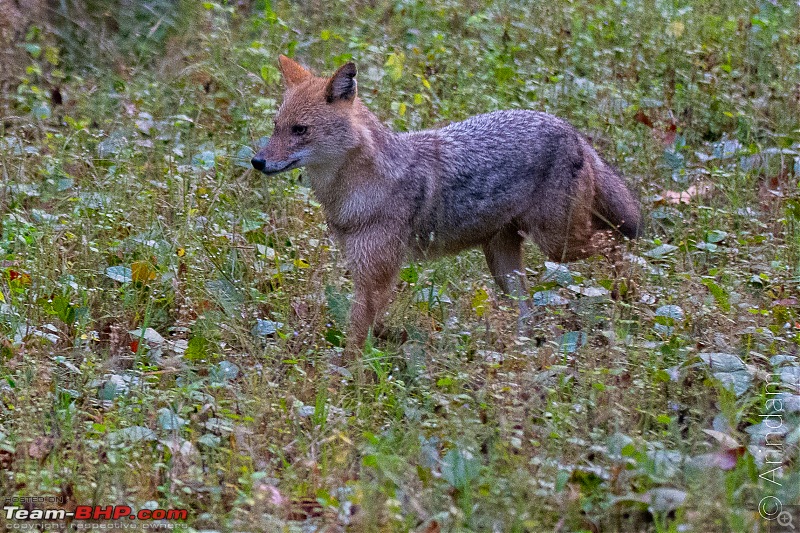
{"type": "Point", "coordinates": [374, 269]}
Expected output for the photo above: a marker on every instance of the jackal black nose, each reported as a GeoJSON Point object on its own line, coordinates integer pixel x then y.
{"type": "Point", "coordinates": [258, 164]}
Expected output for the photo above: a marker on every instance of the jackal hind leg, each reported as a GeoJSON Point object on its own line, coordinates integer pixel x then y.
{"type": "Point", "coordinates": [504, 256]}
{"type": "Point", "coordinates": [562, 225]}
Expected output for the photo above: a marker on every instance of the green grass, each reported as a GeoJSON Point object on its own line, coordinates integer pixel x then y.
{"type": "Point", "coordinates": [132, 206]}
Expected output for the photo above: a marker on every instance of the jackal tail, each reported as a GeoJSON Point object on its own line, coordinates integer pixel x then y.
{"type": "Point", "coordinates": [614, 204]}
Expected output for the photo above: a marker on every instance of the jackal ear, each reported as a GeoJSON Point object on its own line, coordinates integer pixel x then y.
{"type": "Point", "coordinates": [342, 85]}
{"type": "Point", "coordinates": [293, 72]}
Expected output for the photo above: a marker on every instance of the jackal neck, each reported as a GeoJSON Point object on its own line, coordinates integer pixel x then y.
{"type": "Point", "coordinates": [375, 136]}
{"type": "Point", "coordinates": [353, 187]}
{"type": "Point", "coordinates": [371, 152]}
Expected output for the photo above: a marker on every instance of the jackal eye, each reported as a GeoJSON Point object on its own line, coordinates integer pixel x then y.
{"type": "Point", "coordinates": [299, 130]}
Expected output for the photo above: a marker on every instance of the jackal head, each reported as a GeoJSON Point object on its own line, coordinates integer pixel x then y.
{"type": "Point", "coordinates": [313, 125]}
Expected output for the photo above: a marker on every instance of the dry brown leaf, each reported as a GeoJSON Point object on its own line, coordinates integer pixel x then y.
{"type": "Point", "coordinates": [685, 197]}
{"type": "Point", "coordinates": [726, 441]}
{"type": "Point", "coordinates": [431, 527]}
{"type": "Point", "coordinates": [41, 447]}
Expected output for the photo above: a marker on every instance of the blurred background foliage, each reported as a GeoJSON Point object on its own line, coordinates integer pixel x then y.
{"type": "Point", "coordinates": [167, 316]}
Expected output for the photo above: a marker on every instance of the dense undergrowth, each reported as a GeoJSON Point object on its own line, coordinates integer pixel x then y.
{"type": "Point", "coordinates": [167, 316]}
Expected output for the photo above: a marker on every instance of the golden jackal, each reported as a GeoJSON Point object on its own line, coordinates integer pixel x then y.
{"type": "Point", "coordinates": [489, 181]}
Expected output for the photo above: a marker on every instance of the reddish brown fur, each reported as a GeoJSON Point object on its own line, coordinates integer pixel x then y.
{"type": "Point", "coordinates": [489, 181]}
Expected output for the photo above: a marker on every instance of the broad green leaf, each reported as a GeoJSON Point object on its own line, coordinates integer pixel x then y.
{"type": "Point", "coordinates": [205, 160]}
{"type": "Point", "coordinates": [149, 335]}
{"type": "Point", "coordinates": [120, 273]}
{"type": "Point", "coordinates": [169, 420]}
{"type": "Point", "coordinates": [209, 440]}
{"type": "Point", "coordinates": [409, 274]}
{"type": "Point", "coordinates": [729, 370]}
{"type": "Point", "coordinates": [558, 273]}
{"type": "Point", "coordinates": [224, 371]}
{"type": "Point", "coordinates": [265, 328]}
{"type": "Point", "coordinates": [41, 111]}
{"type": "Point", "coordinates": [549, 298]}
{"type": "Point", "coordinates": [114, 386]}
{"type": "Point", "coordinates": [112, 145]}
{"type": "Point", "coordinates": [719, 294]}
{"type": "Point", "coordinates": [570, 342]}
{"type": "Point", "coordinates": [226, 294]}
{"type": "Point", "coordinates": [716, 236]}
{"type": "Point", "coordinates": [460, 467]}
{"type": "Point", "coordinates": [670, 314]}
{"type": "Point", "coordinates": [219, 425]}
{"type": "Point", "coordinates": [131, 434]}
{"type": "Point", "coordinates": [664, 499]}
{"type": "Point", "coordinates": [659, 252]}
